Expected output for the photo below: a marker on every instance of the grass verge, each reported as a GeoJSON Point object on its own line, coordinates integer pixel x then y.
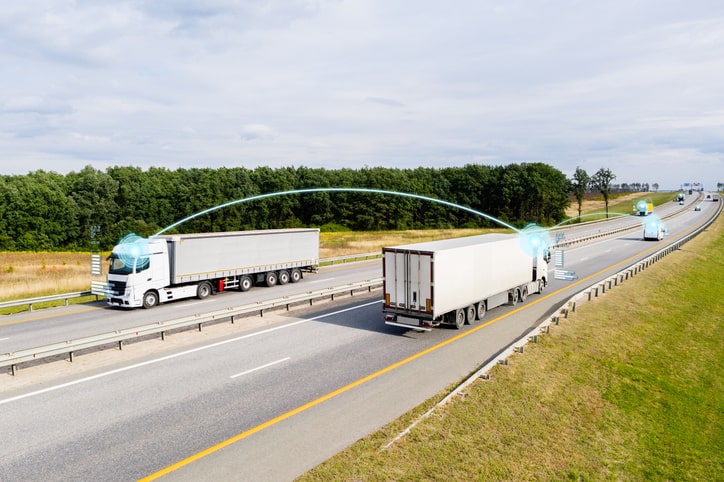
{"type": "Point", "coordinates": [618, 204]}
{"type": "Point", "coordinates": [628, 388]}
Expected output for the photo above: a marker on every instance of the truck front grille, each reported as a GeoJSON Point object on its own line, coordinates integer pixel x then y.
{"type": "Point", "coordinates": [117, 287]}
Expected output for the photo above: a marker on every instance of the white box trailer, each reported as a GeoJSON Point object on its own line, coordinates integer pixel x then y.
{"type": "Point", "coordinates": [455, 281]}
{"type": "Point", "coordinates": [170, 267]}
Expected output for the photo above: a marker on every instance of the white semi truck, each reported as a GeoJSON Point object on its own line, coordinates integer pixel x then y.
{"type": "Point", "coordinates": [455, 281]}
{"type": "Point", "coordinates": [147, 272]}
{"type": "Point", "coordinates": [644, 207]}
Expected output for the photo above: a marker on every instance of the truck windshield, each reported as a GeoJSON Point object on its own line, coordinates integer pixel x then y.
{"type": "Point", "coordinates": [123, 265]}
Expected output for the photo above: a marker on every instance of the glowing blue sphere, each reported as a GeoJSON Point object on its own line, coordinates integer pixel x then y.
{"type": "Point", "coordinates": [534, 240]}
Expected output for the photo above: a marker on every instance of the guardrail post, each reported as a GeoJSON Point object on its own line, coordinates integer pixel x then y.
{"type": "Point", "coordinates": [13, 369]}
{"type": "Point", "coordinates": [163, 336]}
{"type": "Point", "coordinates": [120, 344]}
{"type": "Point", "coordinates": [66, 302]}
{"type": "Point", "coordinates": [70, 356]}
{"type": "Point", "coordinates": [30, 307]}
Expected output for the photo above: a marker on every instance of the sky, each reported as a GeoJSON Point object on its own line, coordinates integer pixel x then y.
{"type": "Point", "coordinates": [636, 87]}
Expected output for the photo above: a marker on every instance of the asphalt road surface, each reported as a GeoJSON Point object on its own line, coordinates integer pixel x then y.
{"type": "Point", "coordinates": [256, 401]}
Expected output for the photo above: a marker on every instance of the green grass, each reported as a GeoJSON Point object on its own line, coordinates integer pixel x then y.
{"type": "Point", "coordinates": [618, 204]}
{"type": "Point", "coordinates": [49, 304]}
{"type": "Point", "coordinates": [628, 388]}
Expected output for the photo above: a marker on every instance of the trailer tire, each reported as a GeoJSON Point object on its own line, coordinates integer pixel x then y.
{"type": "Point", "coordinates": [204, 290]}
{"type": "Point", "coordinates": [480, 310]}
{"type": "Point", "coordinates": [541, 285]}
{"type": "Point", "coordinates": [514, 297]}
{"type": "Point", "coordinates": [296, 275]}
{"type": "Point", "coordinates": [284, 277]}
{"type": "Point", "coordinates": [459, 320]}
{"type": "Point", "coordinates": [470, 312]}
{"type": "Point", "coordinates": [245, 283]}
{"type": "Point", "coordinates": [271, 279]}
{"type": "Point", "coordinates": [150, 299]}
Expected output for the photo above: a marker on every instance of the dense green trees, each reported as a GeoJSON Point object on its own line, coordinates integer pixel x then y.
{"type": "Point", "coordinates": [45, 211]}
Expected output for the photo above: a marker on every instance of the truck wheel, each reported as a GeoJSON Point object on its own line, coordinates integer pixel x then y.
{"type": "Point", "coordinates": [271, 278]}
{"type": "Point", "coordinates": [514, 297]}
{"type": "Point", "coordinates": [283, 277]}
{"type": "Point", "coordinates": [480, 310]}
{"type": "Point", "coordinates": [296, 275]}
{"type": "Point", "coordinates": [150, 299]}
{"type": "Point", "coordinates": [245, 283]}
{"type": "Point", "coordinates": [470, 314]}
{"type": "Point", "coordinates": [203, 290]}
{"type": "Point", "coordinates": [541, 285]}
{"type": "Point", "coordinates": [459, 318]}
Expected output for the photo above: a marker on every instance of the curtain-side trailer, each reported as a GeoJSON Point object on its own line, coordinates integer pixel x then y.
{"type": "Point", "coordinates": [171, 267]}
{"type": "Point", "coordinates": [455, 281]}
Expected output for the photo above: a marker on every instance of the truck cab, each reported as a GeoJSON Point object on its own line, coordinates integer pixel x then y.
{"type": "Point", "coordinates": [137, 273]}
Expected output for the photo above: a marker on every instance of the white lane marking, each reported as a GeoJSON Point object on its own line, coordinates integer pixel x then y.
{"type": "Point", "coordinates": [176, 355]}
{"type": "Point", "coordinates": [3, 339]}
{"type": "Point", "coordinates": [260, 368]}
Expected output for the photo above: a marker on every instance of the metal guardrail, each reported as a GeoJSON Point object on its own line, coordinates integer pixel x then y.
{"type": "Point", "coordinates": [13, 359]}
{"type": "Point", "coordinates": [42, 299]}
{"type": "Point", "coordinates": [97, 287]}
{"type": "Point", "coordinates": [349, 258]}
{"type": "Point", "coordinates": [591, 237]}
{"type": "Point", "coordinates": [586, 294]}
{"type": "Point", "coordinates": [327, 261]}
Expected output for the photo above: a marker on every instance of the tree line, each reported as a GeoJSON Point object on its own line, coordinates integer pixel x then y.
{"type": "Point", "coordinates": [50, 211]}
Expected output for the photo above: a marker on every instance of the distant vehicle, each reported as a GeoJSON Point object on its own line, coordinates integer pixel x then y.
{"type": "Point", "coordinates": [152, 271]}
{"type": "Point", "coordinates": [698, 207]}
{"type": "Point", "coordinates": [654, 230]}
{"type": "Point", "coordinates": [455, 281]}
{"type": "Point", "coordinates": [681, 198]}
{"type": "Point", "coordinates": [644, 207]}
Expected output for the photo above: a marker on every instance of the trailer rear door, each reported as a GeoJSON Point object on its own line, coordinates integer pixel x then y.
{"type": "Point", "coordinates": [408, 280]}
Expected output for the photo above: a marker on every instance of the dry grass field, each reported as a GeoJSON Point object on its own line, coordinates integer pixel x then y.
{"type": "Point", "coordinates": [25, 275]}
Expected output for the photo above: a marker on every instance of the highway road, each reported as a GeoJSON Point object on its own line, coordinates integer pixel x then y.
{"type": "Point", "coordinates": [265, 403]}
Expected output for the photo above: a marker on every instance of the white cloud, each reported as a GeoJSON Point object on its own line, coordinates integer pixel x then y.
{"type": "Point", "coordinates": [631, 86]}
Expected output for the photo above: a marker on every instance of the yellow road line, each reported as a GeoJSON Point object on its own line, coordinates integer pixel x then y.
{"type": "Point", "coordinates": [346, 388]}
